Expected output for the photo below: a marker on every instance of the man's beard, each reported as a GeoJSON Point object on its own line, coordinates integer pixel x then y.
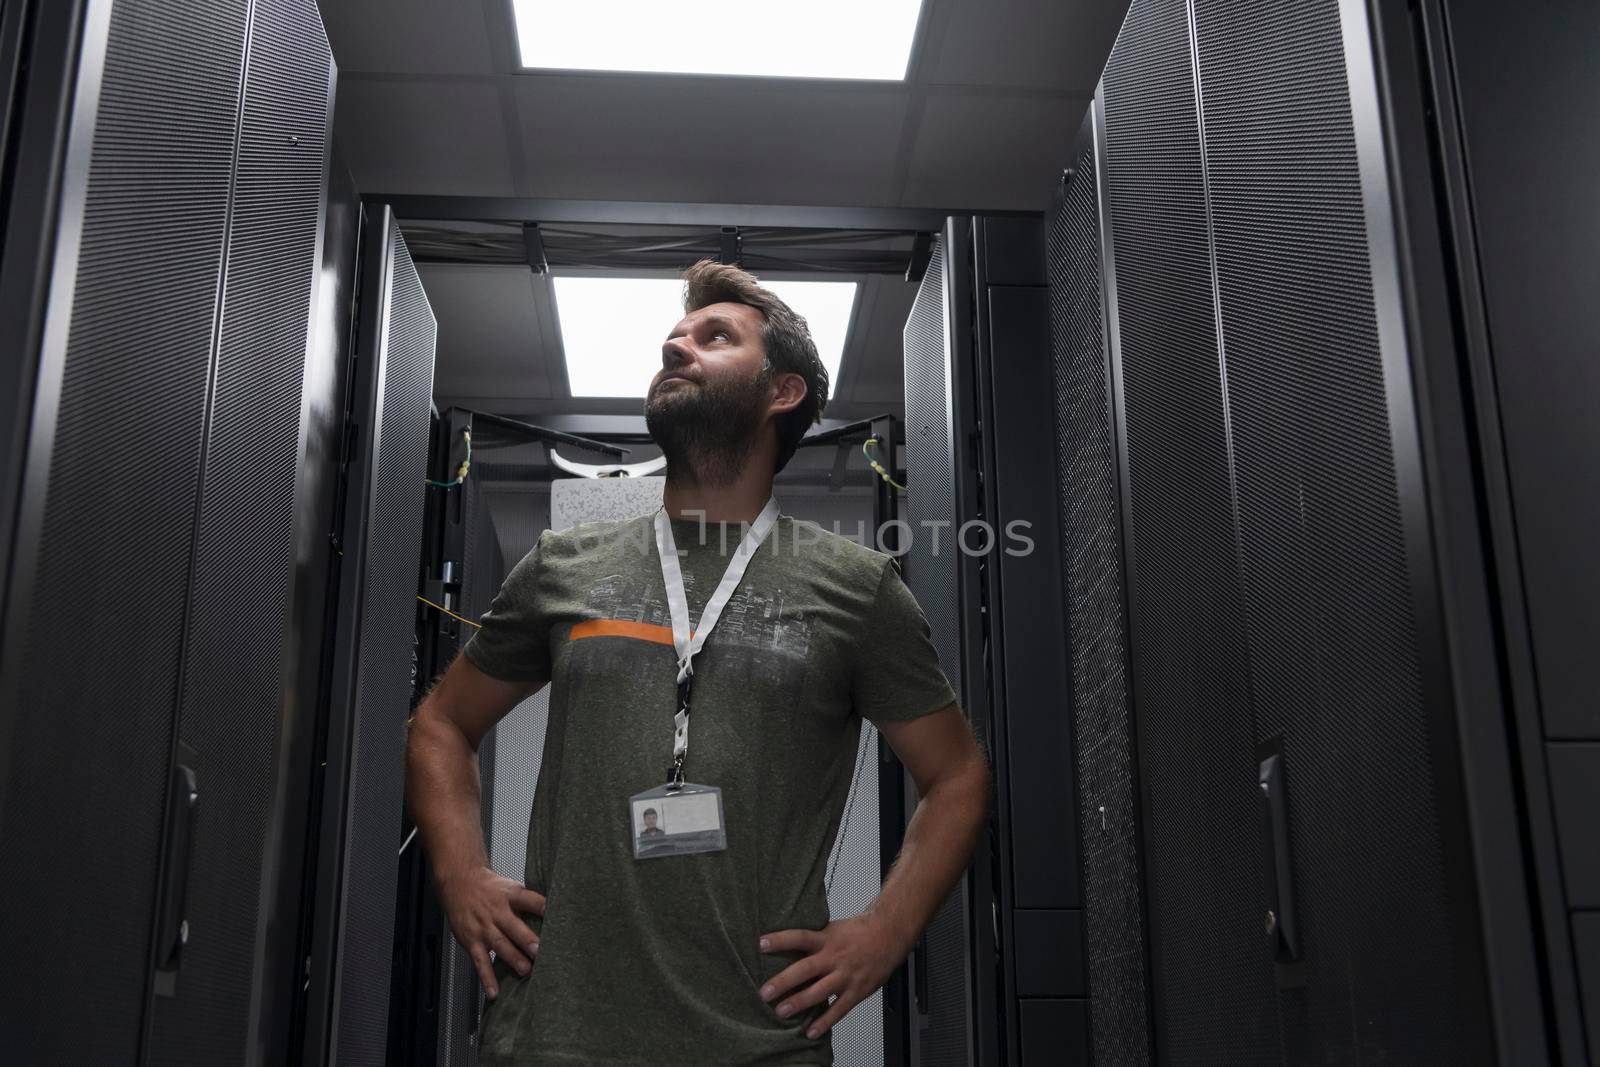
{"type": "Point", "coordinates": [707, 432]}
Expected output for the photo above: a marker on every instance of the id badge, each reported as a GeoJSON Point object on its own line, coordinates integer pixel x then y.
{"type": "Point", "coordinates": [676, 821]}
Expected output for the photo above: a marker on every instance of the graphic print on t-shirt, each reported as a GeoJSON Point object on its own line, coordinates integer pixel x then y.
{"type": "Point", "coordinates": [754, 618]}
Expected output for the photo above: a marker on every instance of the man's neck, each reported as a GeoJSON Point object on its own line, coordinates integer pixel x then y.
{"type": "Point", "coordinates": [739, 500]}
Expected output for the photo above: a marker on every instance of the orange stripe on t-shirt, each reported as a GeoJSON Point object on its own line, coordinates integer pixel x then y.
{"type": "Point", "coordinates": [639, 631]}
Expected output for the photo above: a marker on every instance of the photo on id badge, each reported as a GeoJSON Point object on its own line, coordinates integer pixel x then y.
{"type": "Point", "coordinates": [675, 822]}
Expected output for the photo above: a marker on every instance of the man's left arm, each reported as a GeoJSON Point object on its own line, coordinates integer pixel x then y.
{"type": "Point", "coordinates": [850, 959]}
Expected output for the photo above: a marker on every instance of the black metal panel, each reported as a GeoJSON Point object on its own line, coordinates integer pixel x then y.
{"type": "Point", "coordinates": [1016, 567]}
{"type": "Point", "coordinates": [1448, 450]}
{"type": "Point", "coordinates": [658, 213]}
{"type": "Point", "coordinates": [15, 45]}
{"type": "Point", "coordinates": [1525, 84]}
{"type": "Point", "coordinates": [328, 389]}
{"type": "Point", "coordinates": [1387, 937]}
{"type": "Point", "coordinates": [1049, 953]}
{"type": "Point", "coordinates": [892, 801]}
{"type": "Point", "coordinates": [1013, 252]}
{"type": "Point", "coordinates": [1410, 101]}
{"type": "Point", "coordinates": [1055, 1033]}
{"type": "Point", "coordinates": [95, 619]}
{"type": "Point", "coordinates": [1097, 630]}
{"type": "Point", "coordinates": [376, 678]}
{"type": "Point", "coordinates": [241, 659]}
{"type": "Point", "coordinates": [1040, 776]}
{"type": "Point", "coordinates": [965, 982]}
{"type": "Point", "coordinates": [40, 45]}
{"type": "Point", "coordinates": [941, 1034]}
{"type": "Point", "coordinates": [1212, 988]}
{"type": "Point", "coordinates": [1586, 947]}
{"type": "Point", "coordinates": [930, 462]}
{"type": "Point", "coordinates": [1575, 789]}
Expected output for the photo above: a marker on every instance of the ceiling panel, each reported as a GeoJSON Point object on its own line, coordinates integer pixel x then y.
{"type": "Point", "coordinates": [423, 137]}
{"type": "Point", "coordinates": [997, 152]}
{"type": "Point", "coordinates": [709, 140]}
{"type": "Point", "coordinates": [415, 36]}
{"type": "Point", "coordinates": [425, 85]}
{"type": "Point", "coordinates": [491, 341]}
{"type": "Point", "coordinates": [1025, 43]}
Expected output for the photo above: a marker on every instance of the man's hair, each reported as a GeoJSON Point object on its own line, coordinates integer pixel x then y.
{"type": "Point", "coordinates": [649, 811]}
{"type": "Point", "coordinates": [784, 335]}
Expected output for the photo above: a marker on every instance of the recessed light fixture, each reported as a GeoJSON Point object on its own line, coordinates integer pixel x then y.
{"type": "Point", "coordinates": [612, 328]}
{"type": "Point", "coordinates": [809, 39]}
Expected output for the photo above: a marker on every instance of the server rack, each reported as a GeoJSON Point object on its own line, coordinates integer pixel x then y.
{"type": "Point", "coordinates": [1328, 774]}
{"type": "Point", "coordinates": [1039, 981]}
{"type": "Point", "coordinates": [1501, 266]}
{"type": "Point", "coordinates": [999, 976]}
{"type": "Point", "coordinates": [152, 670]}
{"type": "Point", "coordinates": [1082, 301]}
{"type": "Point", "coordinates": [436, 1003]}
{"type": "Point", "coordinates": [374, 676]}
{"type": "Point", "coordinates": [938, 415]}
{"type": "Point", "coordinates": [331, 367]}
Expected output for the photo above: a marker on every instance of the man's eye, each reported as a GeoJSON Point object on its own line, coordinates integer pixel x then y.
{"type": "Point", "coordinates": [720, 334]}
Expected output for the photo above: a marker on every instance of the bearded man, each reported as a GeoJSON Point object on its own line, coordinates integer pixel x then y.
{"type": "Point", "coordinates": [765, 641]}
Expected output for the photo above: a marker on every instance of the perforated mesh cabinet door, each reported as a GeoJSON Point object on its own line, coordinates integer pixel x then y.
{"type": "Point", "coordinates": [236, 667]}
{"type": "Point", "coordinates": [1097, 626]}
{"type": "Point", "coordinates": [96, 609]}
{"type": "Point", "coordinates": [389, 509]}
{"type": "Point", "coordinates": [1273, 562]}
{"type": "Point", "coordinates": [1336, 672]}
{"type": "Point", "coordinates": [1212, 980]}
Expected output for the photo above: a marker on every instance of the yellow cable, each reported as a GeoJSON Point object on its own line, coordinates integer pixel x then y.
{"type": "Point", "coordinates": [461, 472]}
{"type": "Point", "coordinates": [448, 612]}
{"type": "Point", "coordinates": [875, 465]}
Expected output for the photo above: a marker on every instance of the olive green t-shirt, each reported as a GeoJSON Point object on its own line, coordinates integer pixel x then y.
{"type": "Point", "coordinates": [657, 961]}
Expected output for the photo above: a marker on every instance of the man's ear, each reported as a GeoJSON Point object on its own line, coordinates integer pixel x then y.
{"type": "Point", "coordinates": [788, 392]}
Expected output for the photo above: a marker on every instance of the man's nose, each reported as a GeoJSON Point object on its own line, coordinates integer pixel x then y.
{"type": "Point", "coordinates": [675, 353]}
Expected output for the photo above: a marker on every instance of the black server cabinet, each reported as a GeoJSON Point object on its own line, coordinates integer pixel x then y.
{"type": "Point", "coordinates": [1082, 292]}
{"type": "Point", "coordinates": [940, 475]}
{"type": "Point", "coordinates": [374, 671]}
{"type": "Point", "coordinates": [1520, 243]}
{"type": "Point", "coordinates": [1297, 645]}
{"type": "Point", "coordinates": [242, 657]}
{"type": "Point", "coordinates": [999, 975]}
{"type": "Point", "coordinates": [161, 292]}
{"type": "Point", "coordinates": [436, 1000]}
{"type": "Point", "coordinates": [1015, 541]}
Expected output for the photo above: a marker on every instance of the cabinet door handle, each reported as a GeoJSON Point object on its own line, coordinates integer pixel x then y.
{"type": "Point", "coordinates": [173, 928]}
{"type": "Point", "coordinates": [1279, 921]}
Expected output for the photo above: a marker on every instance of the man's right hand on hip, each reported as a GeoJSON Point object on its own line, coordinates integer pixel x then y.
{"type": "Point", "coordinates": [483, 910]}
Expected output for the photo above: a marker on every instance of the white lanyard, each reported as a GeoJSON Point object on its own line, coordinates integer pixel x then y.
{"type": "Point", "coordinates": [678, 605]}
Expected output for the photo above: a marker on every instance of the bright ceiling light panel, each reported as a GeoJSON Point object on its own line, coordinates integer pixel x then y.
{"type": "Point", "coordinates": [766, 38]}
{"type": "Point", "coordinates": [612, 328]}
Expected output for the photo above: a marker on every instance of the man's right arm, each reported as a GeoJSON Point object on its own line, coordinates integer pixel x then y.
{"type": "Point", "coordinates": [443, 791]}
